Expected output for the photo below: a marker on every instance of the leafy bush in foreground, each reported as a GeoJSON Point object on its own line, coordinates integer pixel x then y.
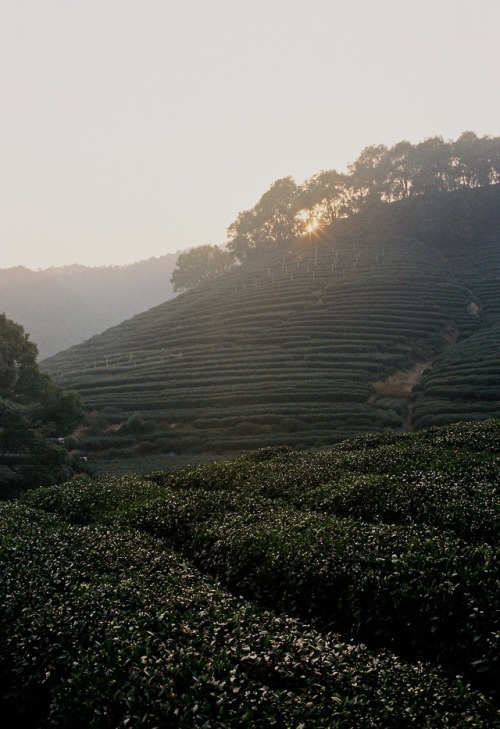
{"type": "Point", "coordinates": [424, 594]}
{"type": "Point", "coordinates": [416, 590]}
{"type": "Point", "coordinates": [391, 541]}
{"type": "Point", "coordinates": [465, 502]}
{"type": "Point", "coordinates": [102, 627]}
{"type": "Point", "coordinates": [84, 500]}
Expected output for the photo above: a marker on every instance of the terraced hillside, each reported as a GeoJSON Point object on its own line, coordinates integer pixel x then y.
{"type": "Point", "coordinates": [383, 322]}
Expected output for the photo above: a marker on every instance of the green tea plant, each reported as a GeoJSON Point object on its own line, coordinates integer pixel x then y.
{"type": "Point", "coordinates": [107, 627]}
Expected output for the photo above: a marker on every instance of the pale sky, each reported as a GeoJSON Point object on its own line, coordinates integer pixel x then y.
{"type": "Point", "coordinates": [134, 128]}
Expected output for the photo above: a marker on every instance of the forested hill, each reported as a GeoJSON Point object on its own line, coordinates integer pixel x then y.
{"type": "Point", "coordinates": [60, 307]}
{"type": "Point", "coordinates": [388, 320]}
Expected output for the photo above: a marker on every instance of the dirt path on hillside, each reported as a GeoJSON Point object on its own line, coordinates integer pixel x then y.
{"type": "Point", "coordinates": [400, 385]}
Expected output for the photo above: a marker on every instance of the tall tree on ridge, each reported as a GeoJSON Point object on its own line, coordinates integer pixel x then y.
{"type": "Point", "coordinates": [369, 175]}
{"type": "Point", "coordinates": [326, 197]}
{"type": "Point", "coordinates": [200, 264]}
{"type": "Point", "coordinates": [270, 223]}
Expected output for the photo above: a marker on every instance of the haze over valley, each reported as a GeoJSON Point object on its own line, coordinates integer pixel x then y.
{"type": "Point", "coordinates": [59, 307]}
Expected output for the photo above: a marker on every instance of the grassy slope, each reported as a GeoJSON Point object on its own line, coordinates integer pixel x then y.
{"type": "Point", "coordinates": [294, 346]}
{"type": "Point", "coordinates": [111, 616]}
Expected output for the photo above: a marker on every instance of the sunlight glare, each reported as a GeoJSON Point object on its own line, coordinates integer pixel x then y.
{"type": "Point", "coordinates": [308, 222]}
{"type": "Point", "coordinates": [311, 226]}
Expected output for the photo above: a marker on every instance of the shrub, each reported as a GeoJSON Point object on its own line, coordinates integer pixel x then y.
{"type": "Point", "coordinates": [136, 637]}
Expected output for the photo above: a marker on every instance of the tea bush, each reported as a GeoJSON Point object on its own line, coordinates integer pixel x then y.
{"type": "Point", "coordinates": [83, 500]}
{"type": "Point", "coordinates": [102, 627]}
{"type": "Point", "coordinates": [465, 502]}
{"type": "Point", "coordinates": [413, 589]}
{"type": "Point", "coordinates": [109, 611]}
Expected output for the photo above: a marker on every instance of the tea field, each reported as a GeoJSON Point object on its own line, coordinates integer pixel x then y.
{"type": "Point", "coordinates": [382, 323]}
{"type": "Point", "coordinates": [357, 586]}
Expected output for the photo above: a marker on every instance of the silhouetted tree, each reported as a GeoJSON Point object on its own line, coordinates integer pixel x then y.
{"type": "Point", "coordinates": [200, 264]}
{"type": "Point", "coordinates": [379, 174]}
{"type": "Point", "coordinates": [369, 174]}
{"type": "Point", "coordinates": [493, 147]}
{"type": "Point", "coordinates": [471, 160]}
{"type": "Point", "coordinates": [433, 167]}
{"type": "Point", "coordinates": [325, 197]}
{"type": "Point", "coordinates": [271, 223]}
{"type": "Point", "coordinates": [399, 171]}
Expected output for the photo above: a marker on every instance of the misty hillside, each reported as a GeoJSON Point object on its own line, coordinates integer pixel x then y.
{"type": "Point", "coordinates": [60, 307]}
{"type": "Point", "coordinates": [389, 320]}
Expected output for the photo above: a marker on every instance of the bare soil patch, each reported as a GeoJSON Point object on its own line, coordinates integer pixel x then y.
{"type": "Point", "coordinates": [401, 383]}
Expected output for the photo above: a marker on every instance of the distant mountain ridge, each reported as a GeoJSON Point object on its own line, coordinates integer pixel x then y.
{"type": "Point", "coordinates": [386, 321]}
{"type": "Point", "coordinates": [63, 306]}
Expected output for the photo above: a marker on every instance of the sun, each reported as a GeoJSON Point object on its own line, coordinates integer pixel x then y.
{"type": "Point", "coordinates": [309, 222]}
{"type": "Point", "coordinates": [311, 226]}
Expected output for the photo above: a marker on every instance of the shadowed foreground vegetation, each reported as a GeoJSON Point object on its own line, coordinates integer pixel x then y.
{"type": "Point", "coordinates": [355, 587]}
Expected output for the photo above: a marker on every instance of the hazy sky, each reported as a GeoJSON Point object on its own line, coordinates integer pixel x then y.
{"type": "Point", "coordinates": [132, 128]}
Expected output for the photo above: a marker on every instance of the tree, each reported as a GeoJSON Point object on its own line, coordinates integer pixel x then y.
{"type": "Point", "coordinates": [324, 197]}
{"type": "Point", "coordinates": [399, 170]}
{"type": "Point", "coordinates": [270, 223]}
{"type": "Point", "coordinates": [18, 369]}
{"type": "Point", "coordinates": [200, 264]}
{"type": "Point", "coordinates": [493, 148]}
{"type": "Point", "coordinates": [34, 412]}
{"type": "Point", "coordinates": [369, 174]}
{"type": "Point", "coordinates": [433, 167]}
{"type": "Point", "coordinates": [379, 174]}
{"type": "Point", "coordinates": [471, 159]}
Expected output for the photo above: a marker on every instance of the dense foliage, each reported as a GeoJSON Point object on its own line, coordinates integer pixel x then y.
{"type": "Point", "coordinates": [33, 412]}
{"type": "Point", "coordinates": [288, 211]}
{"type": "Point", "coordinates": [379, 174]}
{"type": "Point", "coordinates": [111, 616]}
{"type": "Point", "coordinates": [200, 264]}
